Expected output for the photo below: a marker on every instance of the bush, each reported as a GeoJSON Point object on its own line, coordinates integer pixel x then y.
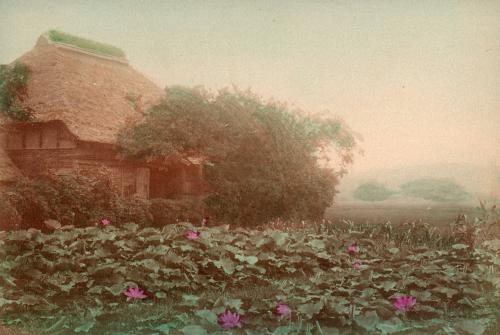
{"type": "Point", "coordinates": [168, 211]}
{"type": "Point", "coordinates": [9, 217]}
{"type": "Point", "coordinates": [78, 200]}
{"type": "Point", "coordinates": [82, 200]}
{"type": "Point", "coordinates": [70, 199]}
{"type": "Point", "coordinates": [265, 162]}
{"type": "Point", "coordinates": [134, 210]}
{"type": "Point", "coordinates": [442, 190]}
{"type": "Point", "coordinates": [13, 81]}
{"type": "Point", "coordinates": [372, 192]}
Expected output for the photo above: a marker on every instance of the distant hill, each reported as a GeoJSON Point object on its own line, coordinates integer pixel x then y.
{"type": "Point", "coordinates": [476, 179]}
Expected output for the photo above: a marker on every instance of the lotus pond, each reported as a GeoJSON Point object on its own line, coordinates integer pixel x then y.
{"type": "Point", "coordinates": [181, 279]}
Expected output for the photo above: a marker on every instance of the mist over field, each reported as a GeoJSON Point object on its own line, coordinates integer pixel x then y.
{"type": "Point", "coordinates": [476, 179]}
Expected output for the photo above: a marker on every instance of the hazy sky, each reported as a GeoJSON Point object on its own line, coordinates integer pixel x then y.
{"type": "Point", "coordinates": [420, 80]}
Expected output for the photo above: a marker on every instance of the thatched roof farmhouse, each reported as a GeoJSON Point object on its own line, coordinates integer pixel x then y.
{"type": "Point", "coordinates": [80, 99]}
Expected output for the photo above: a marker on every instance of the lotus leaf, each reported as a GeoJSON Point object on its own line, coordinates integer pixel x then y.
{"type": "Point", "coordinates": [472, 327]}
{"type": "Point", "coordinates": [317, 244]}
{"type": "Point", "coordinates": [459, 246]}
{"type": "Point", "coordinates": [394, 325]}
{"type": "Point", "coordinates": [310, 309]}
{"type": "Point", "coordinates": [248, 259]}
{"type": "Point", "coordinates": [279, 238]}
{"type": "Point", "coordinates": [190, 300]}
{"type": "Point", "coordinates": [207, 315]}
{"type": "Point", "coordinates": [165, 328]}
{"type": "Point", "coordinates": [117, 289]}
{"type": "Point", "coordinates": [85, 326]}
{"type": "Point", "coordinates": [368, 321]}
{"type": "Point", "coordinates": [226, 264]}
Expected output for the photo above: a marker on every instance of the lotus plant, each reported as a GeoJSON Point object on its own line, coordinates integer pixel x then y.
{"type": "Point", "coordinates": [105, 222]}
{"type": "Point", "coordinates": [134, 293]}
{"type": "Point", "coordinates": [356, 265]}
{"type": "Point", "coordinates": [404, 303]}
{"type": "Point", "coordinates": [282, 310]}
{"type": "Point", "coordinates": [353, 248]}
{"type": "Point", "coordinates": [228, 320]}
{"type": "Point", "coordinates": [192, 235]}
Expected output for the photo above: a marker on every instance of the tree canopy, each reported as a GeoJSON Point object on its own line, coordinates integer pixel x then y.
{"type": "Point", "coordinates": [372, 191]}
{"type": "Point", "coordinates": [264, 159]}
{"type": "Point", "coordinates": [442, 190]}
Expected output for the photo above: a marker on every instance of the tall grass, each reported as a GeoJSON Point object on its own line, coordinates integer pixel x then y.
{"type": "Point", "coordinates": [85, 44]}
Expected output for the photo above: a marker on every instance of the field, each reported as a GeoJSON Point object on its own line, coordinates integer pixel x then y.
{"type": "Point", "coordinates": [437, 215]}
{"type": "Point", "coordinates": [74, 280]}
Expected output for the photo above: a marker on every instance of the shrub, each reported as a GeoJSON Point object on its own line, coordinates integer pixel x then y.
{"type": "Point", "coordinates": [265, 161]}
{"type": "Point", "coordinates": [168, 211]}
{"type": "Point", "coordinates": [9, 217]}
{"type": "Point", "coordinates": [13, 81]}
{"type": "Point", "coordinates": [80, 200]}
{"type": "Point", "coordinates": [70, 199]}
{"type": "Point", "coordinates": [442, 190]}
{"type": "Point", "coordinates": [134, 210]}
{"type": "Point", "coordinates": [372, 192]}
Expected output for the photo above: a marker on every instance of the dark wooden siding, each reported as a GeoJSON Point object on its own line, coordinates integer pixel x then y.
{"type": "Point", "coordinates": [50, 135]}
{"type": "Point", "coordinates": [40, 147]}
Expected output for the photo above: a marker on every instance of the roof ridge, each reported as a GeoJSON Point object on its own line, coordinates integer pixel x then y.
{"type": "Point", "coordinates": [69, 47]}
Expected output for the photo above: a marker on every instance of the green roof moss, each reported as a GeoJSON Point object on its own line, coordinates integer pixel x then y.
{"type": "Point", "coordinates": [85, 44]}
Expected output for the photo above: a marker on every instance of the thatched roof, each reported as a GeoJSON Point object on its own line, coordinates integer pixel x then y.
{"type": "Point", "coordinates": [94, 95]}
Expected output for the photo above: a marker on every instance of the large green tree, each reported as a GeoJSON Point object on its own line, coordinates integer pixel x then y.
{"type": "Point", "coordinates": [264, 159]}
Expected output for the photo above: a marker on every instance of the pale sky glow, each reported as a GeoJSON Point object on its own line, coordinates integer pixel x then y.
{"type": "Point", "coordinates": [420, 80]}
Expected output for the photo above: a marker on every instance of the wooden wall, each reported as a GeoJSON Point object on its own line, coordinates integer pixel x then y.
{"type": "Point", "coordinates": [40, 147]}
{"type": "Point", "coordinates": [51, 135]}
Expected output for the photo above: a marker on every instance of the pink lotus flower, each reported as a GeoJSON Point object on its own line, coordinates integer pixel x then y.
{"type": "Point", "coordinates": [134, 293]}
{"type": "Point", "coordinates": [282, 310]}
{"type": "Point", "coordinates": [404, 303]}
{"type": "Point", "coordinates": [105, 222]}
{"type": "Point", "coordinates": [356, 265]}
{"type": "Point", "coordinates": [353, 248]}
{"type": "Point", "coordinates": [228, 320]}
{"type": "Point", "coordinates": [192, 235]}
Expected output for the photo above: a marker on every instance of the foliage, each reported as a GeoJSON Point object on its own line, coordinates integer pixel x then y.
{"type": "Point", "coordinates": [69, 199]}
{"type": "Point", "coordinates": [13, 81]}
{"type": "Point", "coordinates": [85, 44]}
{"type": "Point", "coordinates": [8, 215]}
{"type": "Point", "coordinates": [442, 190]}
{"type": "Point", "coordinates": [475, 231]}
{"type": "Point", "coordinates": [372, 191]}
{"type": "Point", "coordinates": [84, 199]}
{"type": "Point", "coordinates": [78, 277]}
{"type": "Point", "coordinates": [168, 211]}
{"type": "Point", "coordinates": [265, 159]}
